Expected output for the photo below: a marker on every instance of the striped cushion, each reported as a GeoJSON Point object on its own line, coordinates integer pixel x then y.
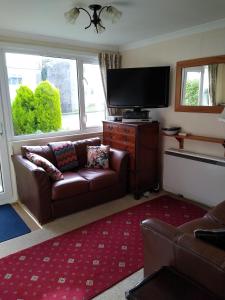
{"type": "Point", "coordinates": [42, 162]}
{"type": "Point", "coordinates": [65, 155]}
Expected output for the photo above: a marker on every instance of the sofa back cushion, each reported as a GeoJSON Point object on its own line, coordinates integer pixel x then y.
{"type": "Point", "coordinates": [218, 213]}
{"type": "Point", "coordinates": [81, 149]}
{"type": "Point", "coordinates": [43, 151]}
{"type": "Point", "coordinates": [65, 155]}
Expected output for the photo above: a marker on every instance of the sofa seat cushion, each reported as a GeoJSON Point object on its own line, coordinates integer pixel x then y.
{"type": "Point", "coordinates": [43, 151]}
{"type": "Point", "coordinates": [99, 178]}
{"type": "Point", "coordinates": [72, 185]}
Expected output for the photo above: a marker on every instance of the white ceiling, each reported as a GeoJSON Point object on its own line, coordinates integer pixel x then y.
{"type": "Point", "coordinates": [141, 20]}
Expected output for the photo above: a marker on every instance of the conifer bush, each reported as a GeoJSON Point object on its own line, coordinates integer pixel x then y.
{"type": "Point", "coordinates": [36, 112]}
{"type": "Point", "coordinates": [23, 111]}
{"type": "Point", "coordinates": [47, 107]}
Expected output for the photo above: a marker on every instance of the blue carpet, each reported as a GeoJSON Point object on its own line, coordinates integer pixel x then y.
{"type": "Point", "coordinates": [11, 225]}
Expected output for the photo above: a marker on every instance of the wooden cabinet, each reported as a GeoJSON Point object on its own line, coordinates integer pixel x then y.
{"type": "Point", "coordinates": [141, 141]}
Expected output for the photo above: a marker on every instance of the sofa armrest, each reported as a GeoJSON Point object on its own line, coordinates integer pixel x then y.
{"type": "Point", "coordinates": [165, 245]}
{"type": "Point", "coordinates": [159, 238]}
{"type": "Point", "coordinates": [202, 262]}
{"type": "Point", "coordinates": [118, 161]}
{"type": "Point", "coordinates": [34, 188]}
{"type": "Point", "coordinates": [204, 250]}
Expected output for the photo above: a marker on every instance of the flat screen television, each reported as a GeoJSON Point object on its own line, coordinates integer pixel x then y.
{"type": "Point", "coordinates": [138, 87]}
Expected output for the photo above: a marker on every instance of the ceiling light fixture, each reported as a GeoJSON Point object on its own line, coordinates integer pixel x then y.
{"type": "Point", "coordinates": [108, 12]}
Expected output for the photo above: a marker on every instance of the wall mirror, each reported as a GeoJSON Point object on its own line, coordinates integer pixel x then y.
{"type": "Point", "coordinates": [200, 85]}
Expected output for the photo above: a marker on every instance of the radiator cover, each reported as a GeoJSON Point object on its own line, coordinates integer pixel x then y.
{"type": "Point", "coordinates": [194, 176]}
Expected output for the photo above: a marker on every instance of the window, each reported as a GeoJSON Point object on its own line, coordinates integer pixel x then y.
{"type": "Point", "coordinates": [93, 95]}
{"type": "Point", "coordinates": [15, 80]}
{"type": "Point", "coordinates": [196, 86]}
{"type": "Point", "coordinates": [46, 94]}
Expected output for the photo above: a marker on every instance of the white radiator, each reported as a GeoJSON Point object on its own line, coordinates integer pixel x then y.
{"type": "Point", "coordinates": [194, 176]}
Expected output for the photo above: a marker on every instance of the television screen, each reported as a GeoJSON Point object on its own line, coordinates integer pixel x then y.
{"type": "Point", "coordinates": [138, 87]}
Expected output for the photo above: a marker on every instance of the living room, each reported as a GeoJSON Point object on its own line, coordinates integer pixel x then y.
{"type": "Point", "coordinates": [154, 44]}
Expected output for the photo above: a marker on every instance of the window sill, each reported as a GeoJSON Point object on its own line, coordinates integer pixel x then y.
{"type": "Point", "coordinates": [53, 135]}
{"type": "Point", "coordinates": [42, 140]}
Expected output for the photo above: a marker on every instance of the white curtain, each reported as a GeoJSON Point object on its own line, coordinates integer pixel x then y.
{"type": "Point", "coordinates": [220, 85]}
{"type": "Point", "coordinates": [109, 60]}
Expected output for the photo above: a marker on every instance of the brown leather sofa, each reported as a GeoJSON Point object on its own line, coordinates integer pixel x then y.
{"type": "Point", "coordinates": [79, 190]}
{"type": "Point", "coordinates": [165, 245]}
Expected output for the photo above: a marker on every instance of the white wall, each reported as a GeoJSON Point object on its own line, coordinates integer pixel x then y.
{"type": "Point", "coordinates": [168, 53]}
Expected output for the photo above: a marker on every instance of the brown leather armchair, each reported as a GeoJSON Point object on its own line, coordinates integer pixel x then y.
{"type": "Point", "coordinates": [79, 189]}
{"type": "Point", "coordinates": [165, 245]}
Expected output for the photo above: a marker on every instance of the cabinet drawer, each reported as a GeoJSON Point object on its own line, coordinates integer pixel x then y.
{"type": "Point", "coordinates": [127, 130]}
{"type": "Point", "coordinates": [127, 139]}
{"type": "Point", "coordinates": [109, 127]}
{"type": "Point", "coordinates": [107, 135]}
{"type": "Point", "coordinates": [107, 141]}
{"type": "Point", "coordinates": [119, 138]}
{"type": "Point", "coordinates": [119, 145]}
{"type": "Point", "coordinates": [118, 128]}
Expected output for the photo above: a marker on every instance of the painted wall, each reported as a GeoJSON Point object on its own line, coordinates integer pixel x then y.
{"type": "Point", "coordinates": [168, 53]}
{"type": "Point", "coordinates": [56, 43]}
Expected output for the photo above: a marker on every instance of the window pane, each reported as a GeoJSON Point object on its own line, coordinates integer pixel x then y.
{"type": "Point", "coordinates": [93, 95]}
{"type": "Point", "coordinates": [192, 88]}
{"type": "Point", "coordinates": [43, 93]}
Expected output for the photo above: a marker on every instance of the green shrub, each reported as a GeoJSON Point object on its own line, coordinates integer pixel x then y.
{"type": "Point", "coordinates": [23, 111]}
{"type": "Point", "coordinates": [191, 93]}
{"type": "Point", "coordinates": [36, 112]}
{"type": "Point", "coordinates": [47, 107]}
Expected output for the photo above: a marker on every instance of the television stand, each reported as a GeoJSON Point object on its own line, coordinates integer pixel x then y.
{"type": "Point", "coordinates": [136, 113]}
{"type": "Point", "coordinates": [140, 140]}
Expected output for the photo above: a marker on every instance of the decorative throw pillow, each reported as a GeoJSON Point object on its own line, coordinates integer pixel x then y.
{"type": "Point", "coordinates": [65, 154]}
{"type": "Point", "coordinates": [42, 162]}
{"type": "Point", "coordinates": [215, 237]}
{"type": "Point", "coordinates": [98, 157]}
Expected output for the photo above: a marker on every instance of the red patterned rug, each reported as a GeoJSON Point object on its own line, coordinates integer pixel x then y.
{"type": "Point", "coordinates": [86, 261]}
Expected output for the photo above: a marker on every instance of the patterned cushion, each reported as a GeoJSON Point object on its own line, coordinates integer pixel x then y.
{"type": "Point", "coordinates": [65, 154]}
{"type": "Point", "coordinates": [42, 162]}
{"type": "Point", "coordinates": [98, 157]}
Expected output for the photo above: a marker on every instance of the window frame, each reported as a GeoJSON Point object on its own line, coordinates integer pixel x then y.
{"type": "Point", "coordinates": [185, 71]}
{"type": "Point", "coordinates": [201, 71]}
{"type": "Point", "coordinates": [80, 58]}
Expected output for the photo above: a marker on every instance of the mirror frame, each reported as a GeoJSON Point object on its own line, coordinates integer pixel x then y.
{"type": "Point", "coordinates": [193, 63]}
